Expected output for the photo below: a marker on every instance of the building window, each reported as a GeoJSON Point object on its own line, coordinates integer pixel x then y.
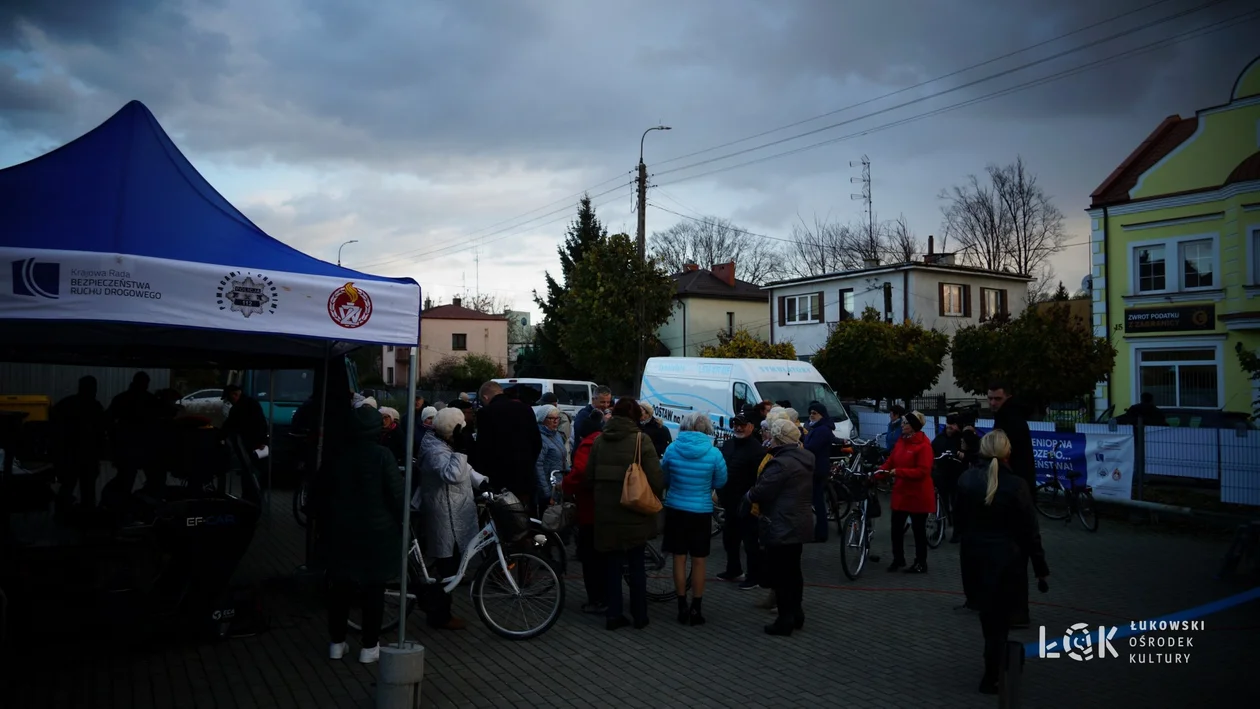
{"type": "Point", "coordinates": [952, 299]}
{"type": "Point", "coordinates": [1255, 256]}
{"type": "Point", "coordinates": [993, 303]}
{"type": "Point", "coordinates": [1198, 263]}
{"type": "Point", "coordinates": [459, 342]}
{"type": "Point", "coordinates": [1180, 378]}
{"type": "Point", "coordinates": [730, 323]}
{"type": "Point", "coordinates": [1150, 268]}
{"type": "Point", "coordinates": [846, 304]}
{"type": "Point", "coordinates": [802, 309]}
{"type": "Point", "coordinates": [389, 348]}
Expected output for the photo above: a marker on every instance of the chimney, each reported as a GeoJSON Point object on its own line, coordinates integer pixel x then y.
{"type": "Point", "coordinates": [870, 263]}
{"type": "Point", "coordinates": [725, 272]}
{"type": "Point", "coordinates": [456, 301]}
{"type": "Point", "coordinates": [689, 267]}
{"type": "Point", "coordinates": [931, 244]}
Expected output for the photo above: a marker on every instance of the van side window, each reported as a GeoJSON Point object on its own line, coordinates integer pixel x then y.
{"type": "Point", "coordinates": [572, 394]}
{"type": "Point", "coordinates": [742, 398]}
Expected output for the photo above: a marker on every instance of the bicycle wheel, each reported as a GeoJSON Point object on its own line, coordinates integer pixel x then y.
{"type": "Point", "coordinates": [1050, 501]}
{"type": "Point", "coordinates": [395, 608]}
{"type": "Point", "coordinates": [936, 525]}
{"type": "Point", "coordinates": [718, 522]}
{"type": "Point", "coordinates": [660, 574]}
{"type": "Point", "coordinates": [1085, 510]}
{"type": "Point", "coordinates": [299, 504]}
{"type": "Point", "coordinates": [527, 612]}
{"type": "Point", "coordinates": [839, 505]}
{"type": "Point", "coordinates": [854, 547]}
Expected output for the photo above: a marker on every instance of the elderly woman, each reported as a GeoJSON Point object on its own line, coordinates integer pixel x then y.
{"type": "Point", "coordinates": [784, 495]}
{"type": "Point", "coordinates": [622, 533]}
{"type": "Point", "coordinates": [999, 530]}
{"type": "Point", "coordinates": [913, 495]}
{"type": "Point", "coordinates": [693, 469]}
{"type": "Point", "coordinates": [448, 508]}
{"type": "Point", "coordinates": [361, 532]}
{"type": "Point", "coordinates": [553, 456]}
{"type": "Point", "coordinates": [393, 436]}
{"type": "Point", "coordinates": [654, 429]}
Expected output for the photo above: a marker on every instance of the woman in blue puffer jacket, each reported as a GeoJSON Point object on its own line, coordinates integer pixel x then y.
{"type": "Point", "coordinates": [693, 469]}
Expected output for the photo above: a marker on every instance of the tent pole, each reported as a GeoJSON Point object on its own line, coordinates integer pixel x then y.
{"type": "Point", "coordinates": [311, 475]}
{"type": "Point", "coordinates": [407, 458]}
{"type": "Point", "coordinates": [271, 441]}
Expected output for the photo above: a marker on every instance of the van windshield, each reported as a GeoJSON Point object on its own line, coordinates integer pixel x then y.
{"type": "Point", "coordinates": [800, 394]}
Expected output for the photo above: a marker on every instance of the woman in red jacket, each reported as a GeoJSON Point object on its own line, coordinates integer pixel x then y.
{"type": "Point", "coordinates": [592, 561]}
{"type": "Point", "coordinates": [913, 495]}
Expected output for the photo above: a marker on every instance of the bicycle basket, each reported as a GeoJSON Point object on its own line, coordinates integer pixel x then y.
{"type": "Point", "coordinates": [511, 519]}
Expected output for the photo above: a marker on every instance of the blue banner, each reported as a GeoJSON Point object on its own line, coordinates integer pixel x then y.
{"type": "Point", "coordinates": [1054, 451]}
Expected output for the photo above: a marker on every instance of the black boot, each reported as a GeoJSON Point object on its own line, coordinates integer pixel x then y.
{"type": "Point", "coordinates": [696, 617]}
{"type": "Point", "coordinates": [798, 621]}
{"type": "Point", "coordinates": [897, 564]}
{"type": "Point", "coordinates": [684, 613]}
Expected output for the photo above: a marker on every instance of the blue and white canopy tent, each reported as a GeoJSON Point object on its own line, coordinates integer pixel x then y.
{"type": "Point", "coordinates": [113, 247]}
{"type": "Point", "coordinates": [115, 250]}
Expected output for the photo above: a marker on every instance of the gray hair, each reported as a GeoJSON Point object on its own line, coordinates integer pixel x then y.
{"type": "Point", "coordinates": [697, 421]}
{"type": "Point", "coordinates": [603, 391]}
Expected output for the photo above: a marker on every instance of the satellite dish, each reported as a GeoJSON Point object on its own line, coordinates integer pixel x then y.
{"type": "Point", "coordinates": [1087, 284]}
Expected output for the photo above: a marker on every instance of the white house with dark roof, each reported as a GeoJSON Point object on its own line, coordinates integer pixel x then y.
{"type": "Point", "coordinates": [936, 292]}
{"type": "Point", "coordinates": [708, 302]}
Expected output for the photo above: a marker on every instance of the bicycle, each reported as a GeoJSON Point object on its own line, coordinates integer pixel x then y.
{"type": "Point", "coordinates": [1079, 500]}
{"type": "Point", "coordinates": [857, 530]}
{"type": "Point", "coordinates": [515, 569]}
{"type": "Point", "coordinates": [858, 457]}
{"type": "Point", "coordinates": [939, 521]}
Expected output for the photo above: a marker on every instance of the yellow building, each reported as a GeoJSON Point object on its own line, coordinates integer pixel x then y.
{"type": "Point", "coordinates": [1176, 259]}
{"type": "Point", "coordinates": [710, 302]}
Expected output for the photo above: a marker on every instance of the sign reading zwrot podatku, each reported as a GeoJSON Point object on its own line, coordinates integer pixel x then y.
{"type": "Point", "coordinates": [1142, 642]}
{"type": "Point", "coordinates": [77, 285]}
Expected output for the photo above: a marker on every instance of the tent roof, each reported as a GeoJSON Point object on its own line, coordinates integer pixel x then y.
{"type": "Point", "coordinates": [124, 188]}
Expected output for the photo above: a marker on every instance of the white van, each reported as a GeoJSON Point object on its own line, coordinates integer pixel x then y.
{"type": "Point", "coordinates": [676, 386]}
{"type": "Point", "coordinates": [571, 396]}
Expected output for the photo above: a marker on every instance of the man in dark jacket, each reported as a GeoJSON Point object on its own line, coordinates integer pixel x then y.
{"type": "Point", "coordinates": [245, 419]}
{"type": "Point", "coordinates": [508, 443]}
{"type": "Point", "coordinates": [822, 434]}
{"type": "Point", "coordinates": [743, 454]}
{"type": "Point", "coordinates": [1010, 417]}
{"type": "Point", "coordinates": [133, 419]}
{"type": "Point", "coordinates": [78, 425]}
{"type": "Point", "coordinates": [591, 418]}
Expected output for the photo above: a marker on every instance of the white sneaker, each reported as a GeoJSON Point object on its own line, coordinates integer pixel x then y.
{"type": "Point", "coordinates": [368, 655]}
{"type": "Point", "coordinates": [336, 651]}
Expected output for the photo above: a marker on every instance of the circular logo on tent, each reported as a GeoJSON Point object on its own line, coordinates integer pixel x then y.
{"type": "Point", "coordinates": [1116, 475]}
{"type": "Point", "coordinates": [247, 294]}
{"type": "Point", "coordinates": [349, 306]}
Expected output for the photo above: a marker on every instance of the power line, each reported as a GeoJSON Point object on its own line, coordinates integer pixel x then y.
{"type": "Point", "coordinates": [1159, 44]}
{"type": "Point", "coordinates": [919, 85]}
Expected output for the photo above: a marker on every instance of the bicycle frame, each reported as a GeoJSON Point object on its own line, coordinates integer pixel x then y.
{"type": "Point", "coordinates": [486, 537]}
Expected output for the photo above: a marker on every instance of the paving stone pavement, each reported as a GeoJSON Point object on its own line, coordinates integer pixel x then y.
{"type": "Point", "coordinates": [888, 640]}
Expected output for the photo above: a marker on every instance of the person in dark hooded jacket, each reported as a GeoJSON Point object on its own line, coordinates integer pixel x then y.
{"type": "Point", "coordinates": [743, 453]}
{"type": "Point", "coordinates": [822, 433]}
{"type": "Point", "coordinates": [1011, 417]}
{"type": "Point", "coordinates": [783, 494]}
{"type": "Point", "coordinates": [361, 522]}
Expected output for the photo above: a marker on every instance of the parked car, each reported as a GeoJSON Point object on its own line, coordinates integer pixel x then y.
{"type": "Point", "coordinates": [201, 395]}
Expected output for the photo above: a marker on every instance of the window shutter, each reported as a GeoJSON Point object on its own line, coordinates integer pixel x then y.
{"type": "Point", "coordinates": [940, 297]}
{"type": "Point", "coordinates": [782, 311]}
{"type": "Point", "coordinates": [966, 294]}
{"type": "Point", "coordinates": [822, 307]}
{"type": "Point", "coordinates": [1002, 306]}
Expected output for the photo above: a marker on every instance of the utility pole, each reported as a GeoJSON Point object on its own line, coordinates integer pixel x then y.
{"type": "Point", "coordinates": [477, 270]}
{"type": "Point", "coordinates": [865, 195]}
{"type": "Point", "coordinates": [642, 244]}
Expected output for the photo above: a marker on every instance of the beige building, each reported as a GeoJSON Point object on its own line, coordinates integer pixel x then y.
{"type": "Point", "coordinates": [935, 292]}
{"type": "Point", "coordinates": [708, 302]}
{"type": "Point", "coordinates": [449, 330]}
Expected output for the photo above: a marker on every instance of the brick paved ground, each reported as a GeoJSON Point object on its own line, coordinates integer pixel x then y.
{"type": "Point", "coordinates": [889, 640]}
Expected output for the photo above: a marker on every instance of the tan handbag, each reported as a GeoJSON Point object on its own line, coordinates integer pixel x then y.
{"type": "Point", "coordinates": [636, 493]}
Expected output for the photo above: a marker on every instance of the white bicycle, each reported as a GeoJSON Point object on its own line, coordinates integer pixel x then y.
{"type": "Point", "coordinates": [530, 589]}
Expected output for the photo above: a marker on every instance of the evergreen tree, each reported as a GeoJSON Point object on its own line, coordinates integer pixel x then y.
{"type": "Point", "coordinates": [584, 233]}
{"type": "Point", "coordinates": [1061, 294]}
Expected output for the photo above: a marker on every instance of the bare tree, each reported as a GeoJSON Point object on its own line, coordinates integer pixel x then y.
{"type": "Point", "coordinates": [974, 217]}
{"type": "Point", "coordinates": [902, 244]}
{"type": "Point", "coordinates": [1006, 223]}
{"type": "Point", "coordinates": [818, 249]}
{"type": "Point", "coordinates": [486, 303]}
{"type": "Point", "coordinates": [713, 240]}
{"type": "Point", "coordinates": [867, 242]}
{"type": "Point", "coordinates": [1035, 223]}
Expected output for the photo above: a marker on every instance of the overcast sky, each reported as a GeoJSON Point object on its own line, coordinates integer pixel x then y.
{"type": "Point", "coordinates": [425, 129]}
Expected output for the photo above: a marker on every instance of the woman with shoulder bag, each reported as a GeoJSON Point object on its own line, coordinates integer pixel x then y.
{"type": "Point", "coordinates": [620, 532]}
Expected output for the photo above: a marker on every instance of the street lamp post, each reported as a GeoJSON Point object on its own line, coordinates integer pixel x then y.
{"type": "Point", "coordinates": [642, 244]}
{"type": "Point", "coordinates": [339, 248]}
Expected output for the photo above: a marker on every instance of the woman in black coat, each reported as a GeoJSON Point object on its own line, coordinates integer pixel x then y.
{"type": "Point", "coordinates": [654, 429]}
{"type": "Point", "coordinates": [999, 532]}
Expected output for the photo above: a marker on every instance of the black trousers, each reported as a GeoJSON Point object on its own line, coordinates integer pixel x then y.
{"type": "Point", "coordinates": [783, 566]}
{"type": "Point", "coordinates": [593, 571]}
{"type": "Point", "coordinates": [341, 594]}
{"type": "Point", "coordinates": [997, 603]}
{"type": "Point", "coordinates": [613, 564]}
{"type": "Point", "coordinates": [733, 538]}
{"type": "Point", "coordinates": [82, 473]}
{"type": "Point", "coordinates": [437, 603]}
{"type": "Point", "coordinates": [1019, 583]}
{"type": "Point", "coordinates": [753, 551]}
{"type": "Point", "coordinates": [918, 524]}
